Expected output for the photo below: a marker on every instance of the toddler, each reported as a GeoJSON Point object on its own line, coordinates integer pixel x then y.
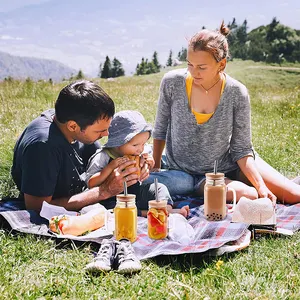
{"type": "Point", "coordinates": [128, 134]}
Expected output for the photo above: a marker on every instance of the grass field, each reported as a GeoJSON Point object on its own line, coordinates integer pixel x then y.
{"type": "Point", "coordinates": [35, 268]}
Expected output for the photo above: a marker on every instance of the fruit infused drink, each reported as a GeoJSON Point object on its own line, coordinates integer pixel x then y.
{"type": "Point", "coordinates": [125, 218]}
{"type": "Point", "coordinates": [157, 219]}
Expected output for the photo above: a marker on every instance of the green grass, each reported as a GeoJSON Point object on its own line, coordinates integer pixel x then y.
{"type": "Point", "coordinates": [32, 268]}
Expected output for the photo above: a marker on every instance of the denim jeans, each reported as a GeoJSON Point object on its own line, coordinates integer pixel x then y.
{"type": "Point", "coordinates": [177, 182]}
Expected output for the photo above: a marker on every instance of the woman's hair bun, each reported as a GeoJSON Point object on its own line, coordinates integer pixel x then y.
{"type": "Point", "coordinates": [223, 29]}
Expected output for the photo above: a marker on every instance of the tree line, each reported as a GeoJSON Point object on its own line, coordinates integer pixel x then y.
{"type": "Point", "coordinates": [273, 43]}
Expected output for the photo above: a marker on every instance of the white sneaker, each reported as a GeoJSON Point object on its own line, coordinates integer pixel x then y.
{"type": "Point", "coordinates": [104, 260]}
{"type": "Point", "coordinates": [126, 261]}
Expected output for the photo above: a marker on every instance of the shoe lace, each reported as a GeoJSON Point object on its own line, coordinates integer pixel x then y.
{"type": "Point", "coordinates": [103, 252]}
{"type": "Point", "coordinates": [125, 252]}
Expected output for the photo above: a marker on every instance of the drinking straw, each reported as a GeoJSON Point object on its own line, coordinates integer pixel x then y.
{"type": "Point", "coordinates": [125, 191]}
{"type": "Point", "coordinates": [156, 189]}
{"type": "Point", "coordinates": [125, 188]}
{"type": "Point", "coordinates": [215, 170]}
{"type": "Point", "coordinates": [215, 167]}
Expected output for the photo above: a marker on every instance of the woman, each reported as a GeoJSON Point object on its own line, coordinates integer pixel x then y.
{"type": "Point", "coordinates": [203, 116]}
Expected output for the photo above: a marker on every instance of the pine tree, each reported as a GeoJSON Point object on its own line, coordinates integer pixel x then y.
{"type": "Point", "coordinates": [141, 68]}
{"type": "Point", "coordinates": [79, 75]}
{"type": "Point", "coordinates": [117, 69]}
{"type": "Point", "coordinates": [170, 60]}
{"type": "Point", "coordinates": [182, 54]}
{"type": "Point", "coordinates": [271, 32]}
{"type": "Point", "coordinates": [155, 62]}
{"type": "Point", "coordinates": [106, 70]}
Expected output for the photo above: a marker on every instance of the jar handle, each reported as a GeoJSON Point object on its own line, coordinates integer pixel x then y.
{"type": "Point", "coordinates": [234, 199]}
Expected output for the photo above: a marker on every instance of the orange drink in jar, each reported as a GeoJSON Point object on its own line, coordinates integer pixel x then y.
{"type": "Point", "coordinates": [125, 218]}
{"type": "Point", "coordinates": [157, 219]}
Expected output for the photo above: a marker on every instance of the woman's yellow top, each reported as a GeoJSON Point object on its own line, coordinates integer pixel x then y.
{"type": "Point", "coordinates": [200, 118]}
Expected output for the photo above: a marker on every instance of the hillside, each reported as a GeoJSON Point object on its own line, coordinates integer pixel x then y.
{"type": "Point", "coordinates": [23, 67]}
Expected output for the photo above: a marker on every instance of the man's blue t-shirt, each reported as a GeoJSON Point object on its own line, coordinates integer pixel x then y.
{"type": "Point", "coordinates": [46, 164]}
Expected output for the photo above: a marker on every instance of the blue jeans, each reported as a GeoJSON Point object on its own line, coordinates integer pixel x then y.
{"type": "Point", "coordinates": [177, 182]}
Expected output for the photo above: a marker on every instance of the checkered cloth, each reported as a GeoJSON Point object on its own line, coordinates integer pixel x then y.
{"type": "Point", "coordinates": [208, 236]}
{"type": "Point", "coordinates": [217, 237]}
{"type": "Point", "coordinates": [288, 217]}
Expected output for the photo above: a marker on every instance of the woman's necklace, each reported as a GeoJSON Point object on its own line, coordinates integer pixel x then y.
{"type": "Point", "coordinates": [206, 90]}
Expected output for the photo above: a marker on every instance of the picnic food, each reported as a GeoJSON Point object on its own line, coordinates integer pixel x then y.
{"type": "Point", "coordinates": [157, 219]}
{"type": "Point", "coordinates": [78, 225]}
{"type": "Point", "coordinates": [135, 158]}
{"type": "Point", "coordinates": [125, 217]}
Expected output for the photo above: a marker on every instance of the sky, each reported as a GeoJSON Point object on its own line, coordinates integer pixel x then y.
{"type": "Point", "coordinates": [81, 33]}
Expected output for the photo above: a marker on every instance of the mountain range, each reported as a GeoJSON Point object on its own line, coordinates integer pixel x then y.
{"type": "Point", "coordinates": [19, 67]}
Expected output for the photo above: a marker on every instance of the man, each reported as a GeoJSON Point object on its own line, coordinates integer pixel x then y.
{"type": "Point", "coordinates": [51, 154]}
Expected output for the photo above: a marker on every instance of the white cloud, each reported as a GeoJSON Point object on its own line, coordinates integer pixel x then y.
{"type": "Point", "coordinates": [6, 6]}
{"type": "Point", "coordinates": [9, 37]}
{"type": "Point", "coordinates": [67, 33]}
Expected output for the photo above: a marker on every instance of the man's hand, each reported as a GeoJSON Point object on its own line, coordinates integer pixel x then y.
{"type": "Point", "coordinates": [114, 184]}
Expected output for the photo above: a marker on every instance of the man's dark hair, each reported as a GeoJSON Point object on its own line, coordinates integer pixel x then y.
{"type": "Point", "coordinates": [83, 102]}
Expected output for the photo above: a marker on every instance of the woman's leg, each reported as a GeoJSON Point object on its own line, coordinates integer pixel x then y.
{"type": "Point", "coordinates": [285, 190]}
{"type": "Point", "coordinates": [177, 182]}
{"type": "Point", "coordinates": [241, 190]}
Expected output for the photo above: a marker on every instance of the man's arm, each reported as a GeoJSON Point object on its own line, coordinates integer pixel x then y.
{"type": "Point", "coordinates": [112, 186]}
{"type": "Point", "coordinates": [75, 202]}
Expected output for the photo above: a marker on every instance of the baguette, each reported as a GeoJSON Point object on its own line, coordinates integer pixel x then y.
{"type": "Point", "coordinates": [78, 225]}
{"type": "Point", "coordinates": [135, 158]}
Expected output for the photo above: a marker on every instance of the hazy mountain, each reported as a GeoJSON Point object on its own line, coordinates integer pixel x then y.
{"type": "Point", "coordinates": [36, 68]}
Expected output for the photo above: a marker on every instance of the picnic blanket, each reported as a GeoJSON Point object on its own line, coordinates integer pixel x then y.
{"type": "Point", "coordinates": [211, 238]}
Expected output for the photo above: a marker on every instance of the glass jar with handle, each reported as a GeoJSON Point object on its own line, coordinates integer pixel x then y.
{"type": "Point", "coordinates": [215, 191]}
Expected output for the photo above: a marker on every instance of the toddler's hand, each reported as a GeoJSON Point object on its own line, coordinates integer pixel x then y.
{"type": "Point", "coordinates": [117, 162]}
{"type": "Point", "coordinates": [149, 160]}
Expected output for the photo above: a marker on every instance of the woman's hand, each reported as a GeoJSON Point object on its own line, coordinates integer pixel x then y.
{"type": "Point", "coordinates": [264, 192]}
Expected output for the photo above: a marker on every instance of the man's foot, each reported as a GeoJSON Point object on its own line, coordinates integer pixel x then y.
{"type": "Point", "coordinates": [126, 261]}
{"type": "Point", "coordinates": [104, 259]}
